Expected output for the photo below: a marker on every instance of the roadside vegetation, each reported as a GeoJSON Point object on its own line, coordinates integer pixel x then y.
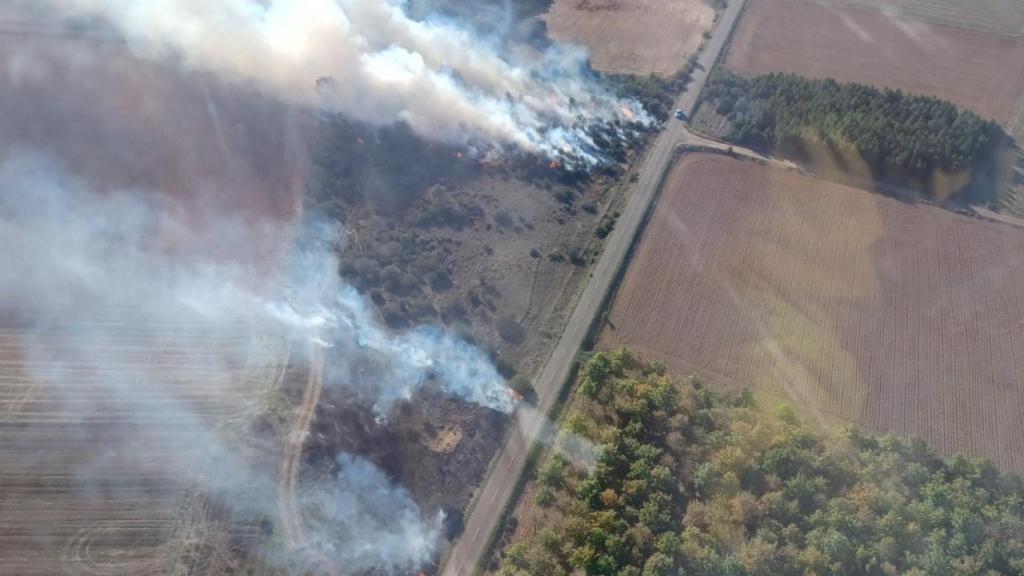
{"type": "Point", "coordinates": [683, 480]}
{"type": "Point", "coordinates": [904, 139]}
{"type": "Point", "coordinates": [656, 93]}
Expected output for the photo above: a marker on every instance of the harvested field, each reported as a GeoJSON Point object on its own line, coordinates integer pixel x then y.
{"type": "Point", "coordinates": [105, 467]}
{"type": "Point", "coordinates": [122, 431]}
{"type": "Point", "coordinates": [978, 71]}
{"type": "Point", "coordinates": [995, 16]}
{"type": "Point", "coordinates": [632, 36]}
{"type": "Point", "coordinates": [908, 319]}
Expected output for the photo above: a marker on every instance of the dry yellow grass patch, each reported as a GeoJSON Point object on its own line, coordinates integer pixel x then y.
{"type": "Point", "coordinates": [632, 36]}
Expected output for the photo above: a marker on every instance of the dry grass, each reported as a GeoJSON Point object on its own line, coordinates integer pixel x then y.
{"type": "Point", "coordinates": [907, 319]}
{"type": "Point", "coordinates": [632, 36]}
{"type": "Point", "coordinates": [981, 72]}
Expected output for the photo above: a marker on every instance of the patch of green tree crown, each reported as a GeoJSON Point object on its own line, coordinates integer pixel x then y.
{"type": "Point", "coordinates": [899, 135]}
{"type": "Point", "coordinates": [686, 481]}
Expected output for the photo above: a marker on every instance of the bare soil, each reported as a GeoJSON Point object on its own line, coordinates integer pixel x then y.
{"type": "Point", "coordinates": [978, 71]}
{"type": "Point", "coordinates": [904, 318]}
{"type": "Point", "coordinates": [107, 472]}
{"type": "Point", "coordinates": [632, 36]}
{"type": "Point", "coordinates": [103, 476]}
{"type": "Point", "coordinates": [995, 16]}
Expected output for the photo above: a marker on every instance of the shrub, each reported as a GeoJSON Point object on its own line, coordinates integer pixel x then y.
{"type": "Point", "coordinates": [521, 384]}
{"type": "Point", "coordinates": [510, 330]}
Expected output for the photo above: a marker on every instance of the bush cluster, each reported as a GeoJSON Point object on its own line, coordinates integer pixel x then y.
{"type": "Point", "coordinates": [687, 481]}
{"type": "Point", "coordinates": [902, 137]}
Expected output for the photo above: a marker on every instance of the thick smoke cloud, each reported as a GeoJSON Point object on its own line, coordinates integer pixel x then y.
{"type": "Point", "coordinates": [101, 278]}
{"type": "Point", "coordinates": [369, 60]}
{"type": "Point", "coordinates": [91, 252]}
{"type": "Point", "coordinates": [373, 523]}
{"type": "Point", "coordinates": [379, 367]}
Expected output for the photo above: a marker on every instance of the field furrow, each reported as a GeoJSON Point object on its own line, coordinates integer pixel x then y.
{"type": "Point", "coordinates": [978, 70]}
{"type": "Point", "coordinates": [908, 319]}
{"type": "Point", "coordinates": [104, 428]}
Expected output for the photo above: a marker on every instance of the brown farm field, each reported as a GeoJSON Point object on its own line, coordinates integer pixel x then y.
{"type": "Point", "coordinates": [996, 16]}
{"type": "Point", "coordinates": [632, 36]}
{"type": "Point", "coordinates": [978, 71]}
{"type": "Point", "coordinates": [906, 319]}
{"type": "Point", "coordinates": [105, 441]}
{"type": "Point", "coordinates": [115, 426]}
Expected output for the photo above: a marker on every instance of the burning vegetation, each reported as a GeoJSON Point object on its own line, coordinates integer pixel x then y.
{"type": "Point", "coordinates": [320, 383]}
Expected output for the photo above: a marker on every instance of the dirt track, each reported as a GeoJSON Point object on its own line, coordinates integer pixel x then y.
{"type": "Point", "coordinates": [291, 462]}
{"type": "Point", "coordinates": [904, 318]}
{"type": "Point", "coordinates": [978, 71]}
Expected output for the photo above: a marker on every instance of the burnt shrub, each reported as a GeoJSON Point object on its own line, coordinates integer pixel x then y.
{"type": "Point", "coordinates": [440, 281]}
{"type": "Point", "coordinates": [503, 219]}
{"type": "Point", "coordinates": [510, 330]}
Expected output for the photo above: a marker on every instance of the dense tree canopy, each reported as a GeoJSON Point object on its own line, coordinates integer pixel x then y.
{"type": "Point", "coordinates": [901, 136]}
{"type": "Point", "coordinates": [686, 481]}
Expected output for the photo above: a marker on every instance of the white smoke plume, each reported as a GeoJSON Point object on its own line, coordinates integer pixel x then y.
{"type": "Point", "coordinates": [151, 345]}
{"type": "Point", "coordinates": [370, 61]}
{"type": "Point", "coordinates": [79, 248]}
{"type": "Point", "coordinates": [373, 524]}
{"type": "Point", "coordinates": [379, 367]}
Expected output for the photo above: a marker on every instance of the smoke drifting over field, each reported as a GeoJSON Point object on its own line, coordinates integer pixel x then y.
{"type": "Point", "coordinates": [369, 60]}
{"type": "Point", "coordinates": [375, 523]}
{"type": "Point", "coordinates": [81, 266]}
{"type": "Point", "coordinates": [149, 289]}
{"type": "Point", "coordinates": [77, 247]}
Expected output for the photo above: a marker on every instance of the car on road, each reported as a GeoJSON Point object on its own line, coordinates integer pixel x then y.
{"type": "Point", "coordinates": [679, 114]}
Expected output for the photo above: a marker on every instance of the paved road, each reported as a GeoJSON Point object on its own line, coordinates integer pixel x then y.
{"type": "Point", "coordinates": [708, 57]}
{"type": "Point", "coordinates": [529, 423]}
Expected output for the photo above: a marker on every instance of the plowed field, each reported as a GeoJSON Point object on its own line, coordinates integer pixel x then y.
{"type": "Point", "coordinates": [996, 16]}
{"type": "Point", "coordinates": [115, 428]}
{"type": "Point", "coordinates": [978, 71]}
{"type": "Point", "coordinates": [907, 319]}
{"type": "Point", "coordinates": [632, 36]}
{"type": "Point", "coordinates": [106, 445]}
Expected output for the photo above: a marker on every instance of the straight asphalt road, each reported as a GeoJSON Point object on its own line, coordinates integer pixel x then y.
{"type": "Point", "coordinates": [529, 424]}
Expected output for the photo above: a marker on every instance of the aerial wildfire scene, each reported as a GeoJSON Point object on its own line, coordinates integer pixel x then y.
{"type": "Point", "coordinates": [516, 288]}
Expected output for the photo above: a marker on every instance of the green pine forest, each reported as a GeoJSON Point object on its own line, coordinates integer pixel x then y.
{"type": "Point", "coordinates": [683, 480]}
{"type": "Point", "coordinates": [903, 138]}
